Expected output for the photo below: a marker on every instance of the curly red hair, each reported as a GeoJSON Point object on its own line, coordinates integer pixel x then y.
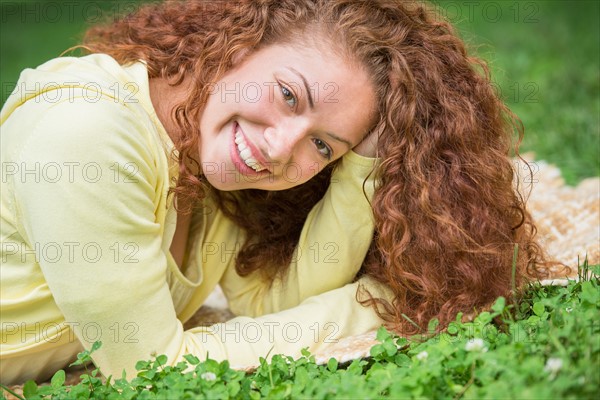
{"type": "Point", "coordinates": [447, 214]}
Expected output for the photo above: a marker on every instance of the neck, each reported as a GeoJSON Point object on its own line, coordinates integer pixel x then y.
{"type": "Point", "coordinates": [165, 97]}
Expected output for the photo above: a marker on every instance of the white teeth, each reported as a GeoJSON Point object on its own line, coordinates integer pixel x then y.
{"type": "Point", "coordinates": [252, 161]}
{"type": "Point", "coordinates": [246, 153]}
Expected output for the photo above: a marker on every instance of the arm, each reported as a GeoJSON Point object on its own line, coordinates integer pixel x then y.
{"type": "Point", "coordinates": [332, 245]}
{"type": "Point", "coordinates": [317, 322]}
{"type": "Point", "coordinates": [111, 277]}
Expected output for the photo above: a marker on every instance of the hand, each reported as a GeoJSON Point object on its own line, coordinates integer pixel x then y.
{"type": "Point", "coordinates": [368, 146]}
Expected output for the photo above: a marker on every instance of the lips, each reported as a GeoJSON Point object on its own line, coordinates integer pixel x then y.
{"type": "Point", "coordinates": [247, 159]}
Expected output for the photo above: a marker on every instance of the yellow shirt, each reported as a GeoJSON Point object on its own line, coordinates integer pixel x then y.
{"type": "Point", "coordinates": [86, 227]}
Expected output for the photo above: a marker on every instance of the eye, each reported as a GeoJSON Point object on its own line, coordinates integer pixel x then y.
{"type": "Point", "coordinates": [323, 148]}
{"type": "Point", "coordinates": [288, 96]}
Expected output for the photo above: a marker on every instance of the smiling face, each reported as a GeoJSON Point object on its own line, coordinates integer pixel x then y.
{"type": "Point", "coordinates": [280, 116]}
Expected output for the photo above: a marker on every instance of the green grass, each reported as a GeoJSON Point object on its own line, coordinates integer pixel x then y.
{"type": "Point", "coordinates": [544, 55]}
{"type": "Point", "coordinates": [547, 347]}
{"type": "Point", "coordinates": [545, 58]}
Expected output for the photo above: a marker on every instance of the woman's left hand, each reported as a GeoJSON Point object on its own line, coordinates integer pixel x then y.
{"type": "Point", "coordinates": [368, 146]}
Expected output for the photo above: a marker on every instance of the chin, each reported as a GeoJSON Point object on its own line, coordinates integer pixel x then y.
{"type": "Point", "coordinates": [218, 184]}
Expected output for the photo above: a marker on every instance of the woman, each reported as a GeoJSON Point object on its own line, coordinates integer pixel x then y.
{"type": "Point", "coordinates": [179, 107]}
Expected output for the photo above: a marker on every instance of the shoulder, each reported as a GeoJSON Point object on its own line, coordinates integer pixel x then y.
{"type": "Point", "coordinates": [71, 106]}
{"type": "Point", "coordinates": [72, 128]}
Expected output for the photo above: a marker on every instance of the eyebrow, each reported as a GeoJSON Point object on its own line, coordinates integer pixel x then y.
{"type": "Point", "coordinates": [308, 94]}
{"type": "Point", "coordinates": [312, 105]}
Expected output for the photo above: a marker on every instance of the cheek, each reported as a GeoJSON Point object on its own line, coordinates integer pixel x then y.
{"type": "Point", "coordinates": [210, 114]}
{"type": "Point", "coordinates": [255, 105]}
{"type": "Point", "coordinates": [301, 172]}
{"type": "Point", "coordinates": [252, 93]}
{"type": "Point", "coordinates": [246, 94]}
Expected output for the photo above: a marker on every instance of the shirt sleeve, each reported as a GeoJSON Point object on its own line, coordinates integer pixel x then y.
{"type": "Point", "coordinates": [317, 322]}
{"type": "Point", "coordinates": [109, 282]}
{"type": "Point", "coordinates": [332, 246]}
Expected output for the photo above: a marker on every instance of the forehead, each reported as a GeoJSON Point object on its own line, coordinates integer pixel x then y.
{"type": "Point", "coordinates": [318, 60]}
{"type": "Point", "coordinates": [318, 68]}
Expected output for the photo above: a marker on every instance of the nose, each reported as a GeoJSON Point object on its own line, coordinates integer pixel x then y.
{"type": "Point", "coordinates": [283, 140]}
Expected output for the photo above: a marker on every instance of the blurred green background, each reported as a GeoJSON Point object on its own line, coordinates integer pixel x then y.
{"type": "Point", "coordinates": [545, 58]}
